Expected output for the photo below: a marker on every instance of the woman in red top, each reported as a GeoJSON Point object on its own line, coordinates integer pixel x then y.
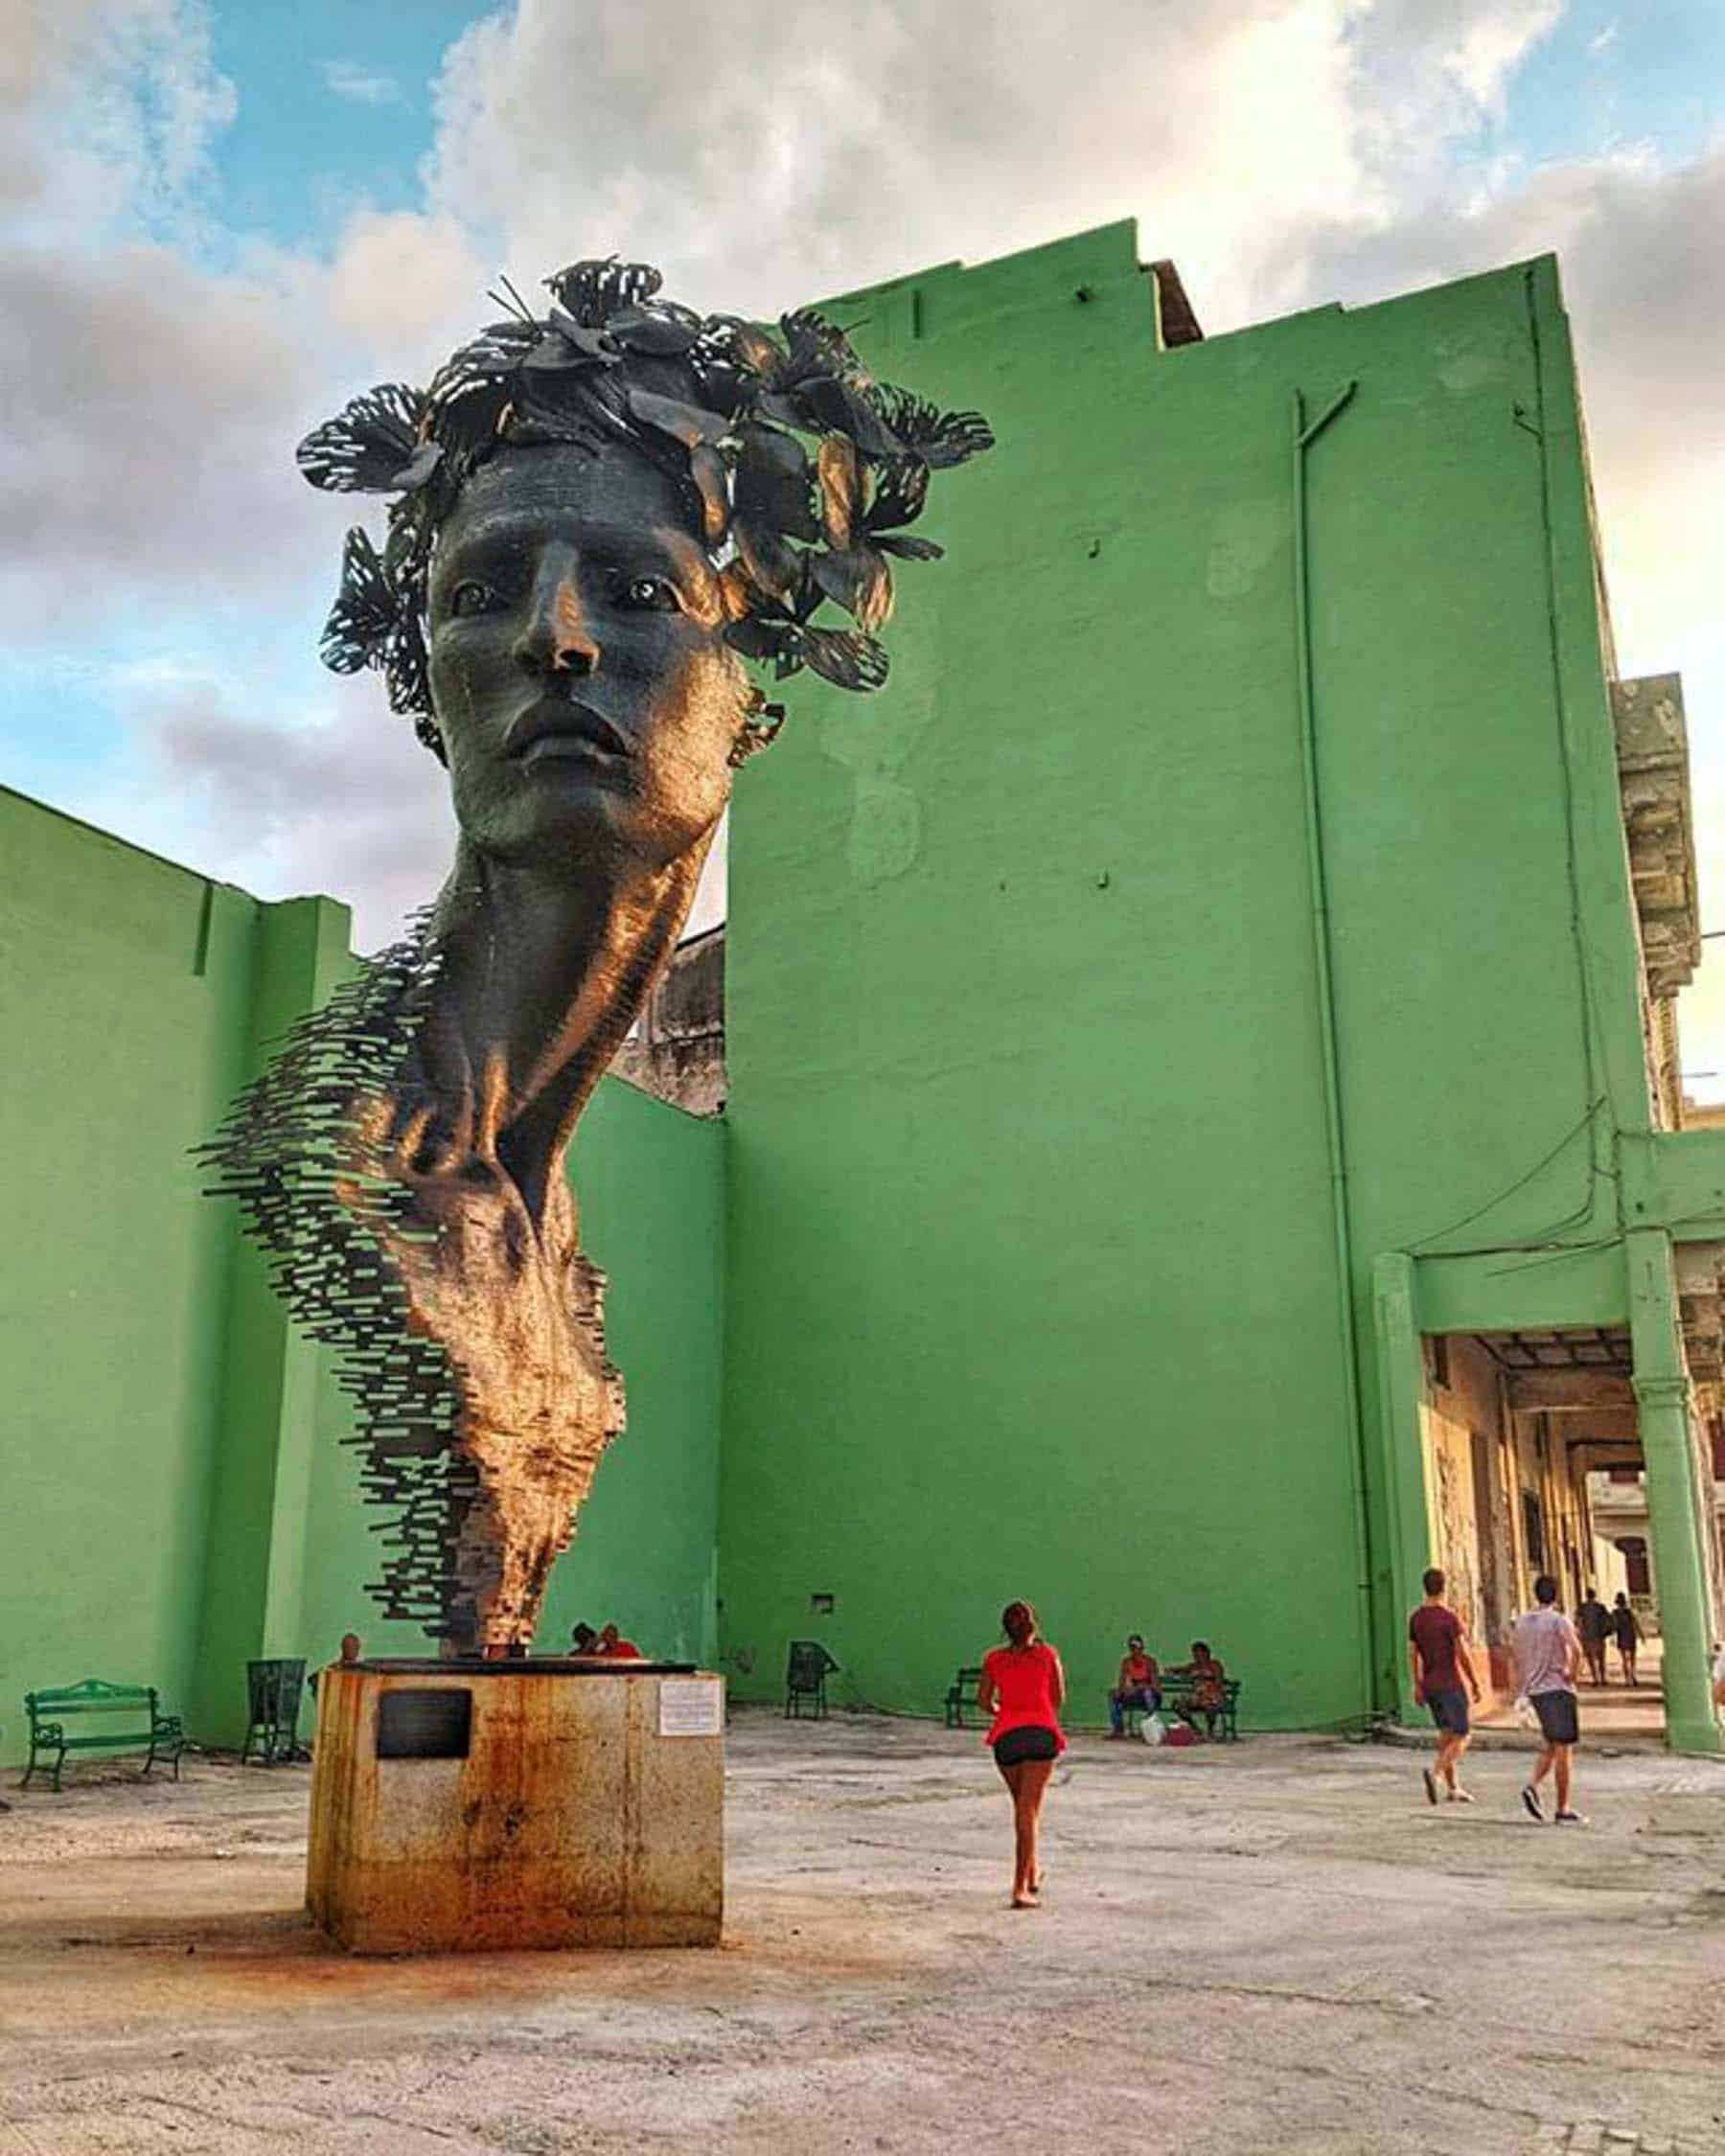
{"type": "Point", "coordinates": [1023, 1687]}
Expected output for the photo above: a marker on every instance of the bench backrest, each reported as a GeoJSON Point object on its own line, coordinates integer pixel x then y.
{"type": "Point", "coordinates": [1182, 1688]}
{"type": "Point", "coordinates": [806, 1666]}
{"type": "Point", "coordinates": [970, 1678]}
{"type": "Point", "coordinates": [92, 1697]}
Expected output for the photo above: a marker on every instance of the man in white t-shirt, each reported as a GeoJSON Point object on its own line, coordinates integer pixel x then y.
{"type": "Point", "coordinates": [1547, 1659]}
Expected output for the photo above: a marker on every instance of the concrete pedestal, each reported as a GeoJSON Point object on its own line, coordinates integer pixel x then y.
{"type": "Point", "coordinates": [467, 1806]}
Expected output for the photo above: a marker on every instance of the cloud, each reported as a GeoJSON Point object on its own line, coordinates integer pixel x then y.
{"type": "Point", "coordinates": [1493, 45]}
{"type": "Point", "coordinates": [405, 288]}
{"type": "Point", "coordinates": [151, 401]}
{"type": "Point", "coordinates": [152, 407]}
{"type": "Point", "coordinates": [107, 109]}
{"type": "Point", "coordinates": [764, 168]}
{"type": "Point", "coordinates": [359, 85]}
{"type": "Point", "coordinates": [345, 802]}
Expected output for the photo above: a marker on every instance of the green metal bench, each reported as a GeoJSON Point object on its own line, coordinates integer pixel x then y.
{"type": "Point", "coordinates": [1177, 1693]}
{"type": "Point", "coordinates": [961, 1693]}
{"type": "Point", "coordinates": [149, 1730]}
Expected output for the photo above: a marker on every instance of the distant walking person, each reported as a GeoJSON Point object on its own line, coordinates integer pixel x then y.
{"type": "Point", "coordinates": [1629, 1636]}
{"type": "Point", "coordinates": [1548, 1658]}
{"type": "Point", "coordinates": [1137, 1690]}
{"type": "Point", "coordinates": [1023, 1687]}
{"type": "Point", "coordinates": [1437, 1651]}
{"type": "Point", "coordinates": [1593, 1621]}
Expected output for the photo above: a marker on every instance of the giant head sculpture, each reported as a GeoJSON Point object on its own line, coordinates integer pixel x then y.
{"type": "Point", "coordinates": [604, 521]}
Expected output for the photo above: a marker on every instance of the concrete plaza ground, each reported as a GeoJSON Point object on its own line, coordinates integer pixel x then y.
{"type": "Point", "coordinates": [1269, 1946]}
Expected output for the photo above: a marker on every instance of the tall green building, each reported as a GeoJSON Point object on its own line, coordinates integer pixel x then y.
{"type": "Point", "coordinates": [1201, 1128]}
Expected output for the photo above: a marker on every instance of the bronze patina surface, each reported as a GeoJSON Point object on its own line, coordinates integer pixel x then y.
{"type": "Point", "coordinates": [600, 514]}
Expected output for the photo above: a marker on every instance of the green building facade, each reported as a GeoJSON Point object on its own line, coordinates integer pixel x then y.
{"type": "Point", "coordinates": [1200, 1136]}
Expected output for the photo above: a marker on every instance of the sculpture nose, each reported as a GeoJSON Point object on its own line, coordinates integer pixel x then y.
{"type": "Point", "coordinates": [556, 639]}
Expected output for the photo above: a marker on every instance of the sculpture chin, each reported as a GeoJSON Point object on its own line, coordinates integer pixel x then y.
{"type": "Point", "coordinates": [569, 808]}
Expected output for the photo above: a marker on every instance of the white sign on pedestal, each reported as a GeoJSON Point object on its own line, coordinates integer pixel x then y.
{"type": "Point", "coordinates": [691, 1706]}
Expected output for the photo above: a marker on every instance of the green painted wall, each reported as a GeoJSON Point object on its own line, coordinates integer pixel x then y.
{"type": "Point", "coordinates": [125, 990]}
{"type": "Point", "coordinates": [1033, 1278]}
{"type": "Point", "coordinates": [178, 1498]}
{"type": "Point", "coordinates": [266, 1380]}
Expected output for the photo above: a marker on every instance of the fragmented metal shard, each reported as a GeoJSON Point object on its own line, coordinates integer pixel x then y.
{"type": "Point", "coordinates": [318, 1155]}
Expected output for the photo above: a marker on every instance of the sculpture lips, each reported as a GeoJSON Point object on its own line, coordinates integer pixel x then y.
{"type": "Point", "coordinates": [565, 729]}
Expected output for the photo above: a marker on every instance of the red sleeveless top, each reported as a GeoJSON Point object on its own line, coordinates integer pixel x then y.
{"type": "Point", "coordinates": [1023, 1678]}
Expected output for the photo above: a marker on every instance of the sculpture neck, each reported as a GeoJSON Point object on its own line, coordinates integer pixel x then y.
{"type": "Point", "coordinates": [541, 976]}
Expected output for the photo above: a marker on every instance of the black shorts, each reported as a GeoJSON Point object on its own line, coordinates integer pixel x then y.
{"type": "Point", "coordinates": [1449, 1710]}
{"type": "Point", "coordinates": [1560, 1721]}
{"type": "Point", "coordinates": [1030, 1743]}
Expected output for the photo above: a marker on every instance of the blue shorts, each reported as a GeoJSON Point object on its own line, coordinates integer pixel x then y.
{"type": "Point", "coordinates": [1560, 1721]}
{"type": "Point", "coordinates": [1449, 1710]}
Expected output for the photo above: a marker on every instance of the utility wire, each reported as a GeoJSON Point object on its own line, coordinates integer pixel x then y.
{"type": "Point", "coordinates": [1509, 1189]}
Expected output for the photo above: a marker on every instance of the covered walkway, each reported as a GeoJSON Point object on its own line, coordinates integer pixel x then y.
{"type": "Point", "coordinates": [1611, 1713]}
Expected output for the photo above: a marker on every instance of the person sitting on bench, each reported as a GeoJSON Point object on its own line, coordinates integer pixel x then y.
{"type": "Point", "coordinates": [1207, 1696]}
{"type": "Point", "coordinates": [1138, 1688]}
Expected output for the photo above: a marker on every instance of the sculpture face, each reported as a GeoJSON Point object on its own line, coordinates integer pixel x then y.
{"type": "Point", "coordinates": [587, 702]}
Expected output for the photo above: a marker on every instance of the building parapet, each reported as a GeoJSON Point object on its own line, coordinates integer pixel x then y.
{"type": "Point", "coordinates": [676, 1049]}
{"type": "Point", "coordinates": [1653, 776]}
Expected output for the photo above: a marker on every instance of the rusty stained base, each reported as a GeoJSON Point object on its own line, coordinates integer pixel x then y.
{"type": "Point", "coordinates": [572, 1821]}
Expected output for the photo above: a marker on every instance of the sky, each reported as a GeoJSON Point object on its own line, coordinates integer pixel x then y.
{"type": "Point", "coordinates": [220, 218]}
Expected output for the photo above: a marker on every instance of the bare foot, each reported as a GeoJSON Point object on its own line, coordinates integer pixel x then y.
{"type": "Point", "coordinates": [1025, 1901]}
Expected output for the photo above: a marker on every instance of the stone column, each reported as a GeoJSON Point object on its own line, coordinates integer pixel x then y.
{"type": "Point", "coordinates": [1662, 1392]}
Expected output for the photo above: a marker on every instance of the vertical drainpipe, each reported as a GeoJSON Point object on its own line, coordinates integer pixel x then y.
{"type": "Point", "coordinates": [1303, 434]}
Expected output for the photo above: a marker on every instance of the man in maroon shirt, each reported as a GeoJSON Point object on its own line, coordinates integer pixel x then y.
{"type": "Point", "coordinates": [1437, 1652]}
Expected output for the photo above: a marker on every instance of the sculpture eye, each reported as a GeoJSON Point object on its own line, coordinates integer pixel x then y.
{"type": "Point", "coordinates": [471, 597]}
{"type": "Point", "coordinates": [654, 594]}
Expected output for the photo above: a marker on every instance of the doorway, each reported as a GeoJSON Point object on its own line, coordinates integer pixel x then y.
{"type": "Point", "coordinates": [1522, 1431]}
